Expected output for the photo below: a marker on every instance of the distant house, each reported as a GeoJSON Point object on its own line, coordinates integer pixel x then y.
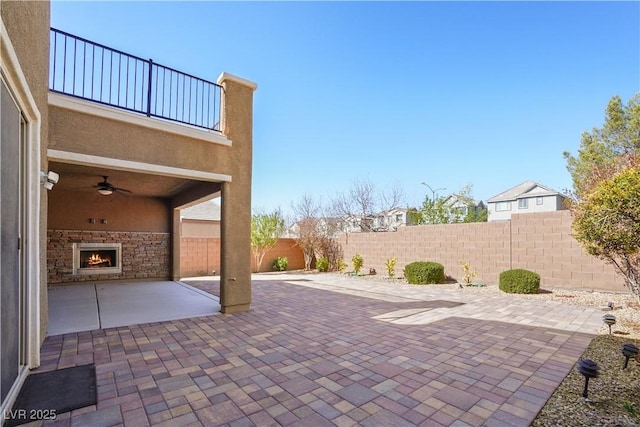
{"type": "Point", "coordinates": [201, 220]}
{"type": "Point", "coordinates": [524, 198]}
{"type": "Point", "coordinates": [461, 206]}
{"type": "Point", "coordinates": [328, 226]}
{"type": "Point", "coordinates": [390, 220]}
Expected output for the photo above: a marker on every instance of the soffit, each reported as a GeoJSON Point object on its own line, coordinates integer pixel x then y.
{"type": "Point", "coordinates": [83, 178]}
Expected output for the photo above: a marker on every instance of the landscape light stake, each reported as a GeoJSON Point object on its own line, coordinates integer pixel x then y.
{"type": "Point", "coordinates": [628, 351]}
{"type": "Point", "coordinates": [609, 320]}
{"type": "Point", "coordinates": [589, 369]}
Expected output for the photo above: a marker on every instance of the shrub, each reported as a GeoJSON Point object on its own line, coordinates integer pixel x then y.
{"type": "Point", "coordinates": [391, 267]}
{"type": "Point", "coordinates": [467, 273]}
{"type": "Point", "coordinates": [519, 281]}
{"type": "Point", "coordinates": [331, 250]}
{"type": "Point", "coordinates": [322, 264]}
{"type": "Point", "coordinates": [280, 263]}
{"type": "Point", "coordinates": [424, 272]}
{"type": "Point", "coordinates": [358, 262]}
{"type": "Point", "coordinates": [342, 265]}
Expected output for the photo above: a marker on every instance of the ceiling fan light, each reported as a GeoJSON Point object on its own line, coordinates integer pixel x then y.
{"type": "Point", "coordinates": [105, 191]}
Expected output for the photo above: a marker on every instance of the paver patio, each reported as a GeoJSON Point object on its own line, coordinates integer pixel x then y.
{"type": "Point", "coordinates": [320, 350]}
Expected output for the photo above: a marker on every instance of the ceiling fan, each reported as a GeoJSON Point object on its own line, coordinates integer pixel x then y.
{"type": "Point", "coordinates": [105, 188]}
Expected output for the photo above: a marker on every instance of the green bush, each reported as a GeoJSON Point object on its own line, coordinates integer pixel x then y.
{"type": "Point", "coordinates": [391, 266]}
{"type": "Point", "coordinates": [322, 264]}
{"type": "Point", "coordinates": [280, 263]}
{"type": "Point", "coordinates": [358, 262]}
{"type": "Point", "coordinates": [424, 272]}
{"type": "Point", "coordinates": [519, 281]}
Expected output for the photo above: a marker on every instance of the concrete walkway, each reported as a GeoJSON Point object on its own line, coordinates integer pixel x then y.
{"type": "Point", "coordinates": [325, 350]}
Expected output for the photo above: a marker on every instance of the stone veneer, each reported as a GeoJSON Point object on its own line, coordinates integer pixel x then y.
{"type": "Point", "coordinates": [145, 255]}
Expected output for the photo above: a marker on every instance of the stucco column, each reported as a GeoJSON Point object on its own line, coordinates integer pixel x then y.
{"type": "Point", "coordinates": [235, 226]}
{"type": "Point", "coordinates": [176, 251]}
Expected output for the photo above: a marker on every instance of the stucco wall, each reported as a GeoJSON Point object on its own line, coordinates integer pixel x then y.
{"type": "Point", "coordinates": [83, 133]}
{"type": "Point", "coordinates": [142, 224]}
{"type": "Point", "coordinates": [237, 124]}
{"type": "Point", "coordinates": [27, 24]}
{"type": "Point", "coordinates": [201, 256]}
{"type": "Point", "coordinates": [93, 132]}
{"type": "Point", "coordinates": [200, 228]}
{"type": "Point", "coordinates": [71, 210]}
{"type": "Point", "coordinates": [541, 242]}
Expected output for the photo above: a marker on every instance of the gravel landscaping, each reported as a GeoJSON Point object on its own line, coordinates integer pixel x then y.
{"type": "Point", "coordinates": [614, 396]}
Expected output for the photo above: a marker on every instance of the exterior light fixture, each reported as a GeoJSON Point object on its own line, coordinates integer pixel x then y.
{"type": "Point", "coordinates": [609, 320]}
{"type": "Point", "coordinates": [628, 351]}
{"type": "Point", "coordinates": [49, 179]}
{"type": "Point", "coordinates": [589, 369]}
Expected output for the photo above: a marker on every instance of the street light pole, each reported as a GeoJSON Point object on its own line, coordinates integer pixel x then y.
{"type": "Point", "coordinates": [433, 192]}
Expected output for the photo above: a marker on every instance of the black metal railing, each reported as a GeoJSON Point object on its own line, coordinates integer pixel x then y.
{"type": "Point", "coordinates": [91, 71]}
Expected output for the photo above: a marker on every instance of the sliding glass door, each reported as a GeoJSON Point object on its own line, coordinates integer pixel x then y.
{"type": "Point", "coordinates": [12, 283]}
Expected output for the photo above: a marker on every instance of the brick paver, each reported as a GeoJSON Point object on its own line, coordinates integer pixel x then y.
{"type": "Point", "coordinates": [333, 351]}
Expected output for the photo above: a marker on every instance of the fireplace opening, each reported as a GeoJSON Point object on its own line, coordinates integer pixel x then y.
{"type": "Point", "coordinates": [98, 259]}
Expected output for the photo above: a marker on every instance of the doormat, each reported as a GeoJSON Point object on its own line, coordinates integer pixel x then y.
{"type": "Point", "coordinates": [46, 395]}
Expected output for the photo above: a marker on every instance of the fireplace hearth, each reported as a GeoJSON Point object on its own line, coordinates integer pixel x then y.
{"type": "Point", "coordinates": [97, 258]}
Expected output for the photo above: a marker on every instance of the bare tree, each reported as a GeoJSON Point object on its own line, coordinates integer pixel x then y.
{"type": "Point", "coordinates": [393, 197]}
{"type": "Point", "coordinates": [360, 204]}
{"type": "Point", "coordinates": [307, 221]}
{"type": "Point", "coordinates": [357, 205]}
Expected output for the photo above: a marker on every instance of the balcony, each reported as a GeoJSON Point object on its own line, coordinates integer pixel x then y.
{"type": "Point", "coordinates": [97, 73]}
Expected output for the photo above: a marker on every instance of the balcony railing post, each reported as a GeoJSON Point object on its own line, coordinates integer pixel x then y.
{"type": "Point", "coordinates": [149, 87]}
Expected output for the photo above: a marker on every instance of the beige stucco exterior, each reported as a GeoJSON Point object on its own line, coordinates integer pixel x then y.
{"type": "Point", "coordinates": [85, 134]}
{"type": "Point", "coordinates": [235, 275]}
{"type": "Point", "coordinates": [200, 228]}
{"type": "Point", "coordinates": [24, 47]}
{"type": "Point", "coordinates": [27, 26]}
{"type": "Point", "coordinates": [66, 132]}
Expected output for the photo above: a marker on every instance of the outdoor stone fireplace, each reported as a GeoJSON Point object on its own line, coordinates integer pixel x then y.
{"type": "Point", "coordinates": [84, 256]}
{"type": "Point", "coordinates": [97, 258]}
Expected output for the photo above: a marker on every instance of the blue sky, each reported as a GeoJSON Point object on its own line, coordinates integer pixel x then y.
{"type": "Point", "coordinates": [447, 93]}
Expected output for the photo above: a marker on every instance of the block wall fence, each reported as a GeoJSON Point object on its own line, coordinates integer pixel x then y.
{"type": "Point", "coordinates": [201, 256]}
{"type": "Point", "coordinates": [541, 242]}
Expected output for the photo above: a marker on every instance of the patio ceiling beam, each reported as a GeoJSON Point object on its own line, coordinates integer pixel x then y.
{"type": "Point", "coordinates": [132, 166]}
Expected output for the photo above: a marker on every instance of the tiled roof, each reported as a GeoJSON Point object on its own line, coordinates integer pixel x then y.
{"type": "Point", "coordinates": [209, 210]}
{"type": "Point", "coordinates": [525, 189]}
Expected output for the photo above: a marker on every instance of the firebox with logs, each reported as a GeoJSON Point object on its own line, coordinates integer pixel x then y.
{"type": "Point", "coordinates": [97, 258]}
